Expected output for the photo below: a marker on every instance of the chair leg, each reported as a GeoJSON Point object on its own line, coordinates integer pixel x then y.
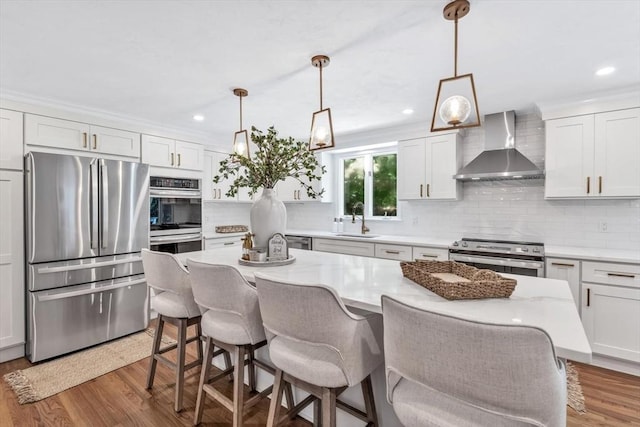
{"type": "Point", "coordinates": [157, 339]}
{"type": "Point", "coordinates": [276, 399]}
{"type": "Point", "coordinates": [328, 407]}
{"type": "Point", "coordinates": [288, 395]}
{"type": "Point", "coordinates": [252, 371]}
{"type": "Point", "coordinates": [204, 377]}
{"type": "Point", "coordinates": [199, 341]}
{"type": "Point", "coordinates": [227, 363]}
{"type": "Point", "coordinates": [182, 338]}
{"type": "Point", "coordinates": [369, 402]}
{"type": "Point", "coordinates": [317, 413]}
{"type": "Point", "coordinates": [238, 383]}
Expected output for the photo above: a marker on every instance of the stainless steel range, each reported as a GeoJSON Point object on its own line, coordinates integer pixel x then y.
{"type": "Point", "coordinates": [523, 258]}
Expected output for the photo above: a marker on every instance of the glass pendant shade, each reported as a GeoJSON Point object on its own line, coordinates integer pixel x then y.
{"type": "Point", "coordinates": [456, 104]}
{"type": "Point", "coordinates": [241, 143]}
{"type": "Point", "coordinates": [321, 130]}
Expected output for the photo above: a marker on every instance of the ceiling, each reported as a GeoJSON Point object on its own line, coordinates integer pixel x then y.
{"type": "Point", "coordinates": [164, 61]}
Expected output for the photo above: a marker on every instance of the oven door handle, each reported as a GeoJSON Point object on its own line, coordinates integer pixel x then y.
{"type": "Point", "coordinates": [507, 262]}
{"type": "Point", "coordinates": [176, 239]}
{"type": "Point", "coordinates": [176, 194]}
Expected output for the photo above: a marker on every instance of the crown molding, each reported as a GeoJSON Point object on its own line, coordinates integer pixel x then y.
{"type": "Point", "coordinates": [597, 102]}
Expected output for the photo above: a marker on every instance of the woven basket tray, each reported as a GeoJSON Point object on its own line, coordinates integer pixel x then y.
{"type": "Point", "coordinates": [462, 281]}
{"type": "Point", "coordinates": [231, 228]}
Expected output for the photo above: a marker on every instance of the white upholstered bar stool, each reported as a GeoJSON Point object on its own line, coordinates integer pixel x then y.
{"type": "Point", "coordinates": [317, 344]}
{"type": "Point", "coordinates": [443, 370]}
{"type": "Point", "coordinates": [173, 300]}
{"type": "Point", "coordinates": [231, 320]}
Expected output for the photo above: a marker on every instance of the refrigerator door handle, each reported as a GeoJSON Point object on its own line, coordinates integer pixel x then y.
{"type": "Point", "coordinates": [93, 200]}
{"type": "Point", "coordinates": [49, 270]}
{"type": "Point", "coordinates": [105, 204]}
{"type": "Point", "coordinates": [70, 294]}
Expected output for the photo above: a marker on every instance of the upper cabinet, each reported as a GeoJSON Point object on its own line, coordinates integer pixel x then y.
{"type": "Point", "coordinates": [426, 167]}
{"type": "Point", "coordinates": [69, 135]}
{"type": "Point", "coordinates": [593, 155]}
{"type": "Point", "coordinates": [214, 191]}
{"type": "Point", "coordinates": [11, 151]}
{"type": "Point", "coordinates": [169, 153]}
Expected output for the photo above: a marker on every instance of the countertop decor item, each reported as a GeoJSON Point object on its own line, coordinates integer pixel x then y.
{"type": "Point", "coordinates": [231, 228]}
{"type": "Point", "coordinates": [268, 263]}
{"type": "Point", "coordinates": [453, 280]}
{"type": "Point", "coordinates": [274, 159]}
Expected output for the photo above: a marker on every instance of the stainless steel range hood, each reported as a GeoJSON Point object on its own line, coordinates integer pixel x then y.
{"type": "Point", "coordinates": [500, 160]}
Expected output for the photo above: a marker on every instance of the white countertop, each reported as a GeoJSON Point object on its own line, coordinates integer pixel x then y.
{"type": "Point", "coordinates": [399, 240]}
{"type": "Point", "coordinates": [360, 282]}
{"type": "Point", "coordinates": [593, 254]}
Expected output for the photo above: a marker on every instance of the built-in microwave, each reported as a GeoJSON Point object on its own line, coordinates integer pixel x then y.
{"type": "Point", "coordinates": [175, 214]}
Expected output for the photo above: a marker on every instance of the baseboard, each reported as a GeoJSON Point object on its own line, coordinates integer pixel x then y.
{"type": "Point", "coordinates": [619, 365]}
{"type": "Point", "coordinates": [11, 353]}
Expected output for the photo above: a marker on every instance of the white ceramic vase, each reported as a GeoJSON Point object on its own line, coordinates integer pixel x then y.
{"type": "Point", "coordinates": [268, 216]}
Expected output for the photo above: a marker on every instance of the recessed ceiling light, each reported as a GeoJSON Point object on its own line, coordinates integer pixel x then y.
{"type": "Point", "coordinates": [198, 117]}
{"type": "Point", "coordinates": [605, 71]}
{"type": "Point", "coordinates": [407, 111]}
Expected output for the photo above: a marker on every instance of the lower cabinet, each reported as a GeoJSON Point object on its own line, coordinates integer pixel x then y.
{"type": "Point", "coordinates": [566, 269]}
{"type": "Point", "coordinates": [398, 252]}
{"type": "Point", "coordinates": [429, 254]}
{"type": "Point", "coordinates": [611, 309]}
{"type": "Point", "coordinates": [221, 242]}
{"type": "Point", "coordinates": [348, 247]}
{"type": "Point", "coordinates": [12, 302]}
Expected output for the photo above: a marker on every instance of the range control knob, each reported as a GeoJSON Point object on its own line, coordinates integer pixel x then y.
{"type": "Point", "coordinates": [455, 244]}
{"type": "Point", "coordinates": [464, 244]}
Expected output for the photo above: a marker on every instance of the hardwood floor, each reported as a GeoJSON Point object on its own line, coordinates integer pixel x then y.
{"type": "Point", "coordinates": [120, 399]}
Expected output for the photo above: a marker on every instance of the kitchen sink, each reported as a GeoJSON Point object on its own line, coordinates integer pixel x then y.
{"type": "Point", "coordinates": [366, 236]}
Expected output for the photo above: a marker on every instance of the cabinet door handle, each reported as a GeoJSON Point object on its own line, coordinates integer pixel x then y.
{"type": "Point", "coordinates": [420, 190]}
{"type": "Point", "coordinates": [228, 243]}
{"type": "Point", "coordinates": [294, 194]}
{"type": "Point", "coordinates": [178, 159]}
{"type": "Point", "coordinates": [84, 140]}
{"type": "Point", "coordinates": [588, 184]}
{"type": "Point", "coordinates": [588, 297]}
{"type": "Point", "coordinates": [95, 141]}
{"type": "Point", "coordinates": [429, 256]}
{"type": "Point", "coordinates": [171, 159]}
{"type": "Point", "coordinates": [562, 264]}
{"type": "Point", "coordinates": [219, 193]}
{"type": "Point", "coordinates": [599, 185]}
{"type": "Point", "coordinates": [629, 276]}
{"type": "Point", "coordinates": [428, 192]}
{"type": "Point", "coordinates": [393, 252]}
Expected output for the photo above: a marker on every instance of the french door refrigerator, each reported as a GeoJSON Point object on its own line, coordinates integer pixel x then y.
{"type": "Point", "coordinates": [86, 221]}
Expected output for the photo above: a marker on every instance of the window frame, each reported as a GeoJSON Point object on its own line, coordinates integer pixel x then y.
{"type": "Point", "coordinates": [368, 153]}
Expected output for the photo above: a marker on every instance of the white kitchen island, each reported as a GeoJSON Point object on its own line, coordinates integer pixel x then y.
{"type": "Point", "coordinates": [360, 282]}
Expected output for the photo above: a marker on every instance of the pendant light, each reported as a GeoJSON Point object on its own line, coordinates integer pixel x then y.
{"type": "Point", "coordinates": [241, 138]}
{"type": "Point", "coordinates": [456, 103]}
{"type": "Point", "coordinates": [321, 125]}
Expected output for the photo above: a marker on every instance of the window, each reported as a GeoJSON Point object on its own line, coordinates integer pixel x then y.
{"type": "Point", "coordinates": [369, 178]}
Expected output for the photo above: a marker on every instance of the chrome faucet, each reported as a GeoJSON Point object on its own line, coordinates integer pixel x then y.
{"type": "Point", "coordinates": [364, 228]}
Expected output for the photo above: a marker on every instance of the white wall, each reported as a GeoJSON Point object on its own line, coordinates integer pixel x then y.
{"type": "Point", "coordinates": [514, 210]}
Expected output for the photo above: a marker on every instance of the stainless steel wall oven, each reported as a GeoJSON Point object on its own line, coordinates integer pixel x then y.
{"type": "Point", "coordinates": [523, 258]}
{"type": "Point", "coordinates": [175, 212]}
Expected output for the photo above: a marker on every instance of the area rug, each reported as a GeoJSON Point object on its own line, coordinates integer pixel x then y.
{"type": "Point", "coordinates": [575, 398]}
{"type": "Point", "coordinates": [46, 379]}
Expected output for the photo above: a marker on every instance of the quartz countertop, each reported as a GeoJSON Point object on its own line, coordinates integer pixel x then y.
{"type": "Point", "coordinates": [593, 254]}
{"type": "Point", "coordinates": [360, 282]}
{"type": "Point", "coordinates": [379, 238]}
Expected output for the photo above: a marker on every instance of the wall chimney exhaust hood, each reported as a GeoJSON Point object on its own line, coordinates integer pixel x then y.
{"type": "Point", "coordinates": [500, 160]}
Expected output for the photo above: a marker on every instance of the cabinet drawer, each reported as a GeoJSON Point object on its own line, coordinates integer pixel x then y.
{"type": "Point", "coordinates": [611, 274]}
{"type": "Point", "coordinates": [429, 254]}
{"type": "Point", "coordinates": [401, 253]}
{"type": "Point", "coordinates": [344, 247]}
{"type": "Point", "coordinates": [222, 242]}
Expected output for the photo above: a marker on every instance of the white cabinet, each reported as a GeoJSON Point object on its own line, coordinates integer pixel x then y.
{"type": "Point", "coordinates": [426, 167]}
{"type": "Point", "coordinates": [221, 242]}
{"type": "Point", "coordinates": [169, 153]}
{"type": "Point", "coordinates": [66, 134]}
{"type": "Point", "coordinates": [611, 309]}
{"type": "Point", "coordinates": [215, 191]}
{"type": "Point", "coordinates": [594, 155]}
{"type": "Point", "coordinates": [12, 302]}
{"type": "Point", "coordinates": [11, 140]}
{"type": "Point", "coordinates": [566, 269]}
{"type": "Point", "coordinates": [397, 252]}
{"type": "Point", "coordinates": [429, 254]}
{"type": "Point", "coordinates": [349, 247]}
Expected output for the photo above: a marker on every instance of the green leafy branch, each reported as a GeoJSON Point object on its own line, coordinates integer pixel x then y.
{"type": "Point", "coordinates": [275, 160]}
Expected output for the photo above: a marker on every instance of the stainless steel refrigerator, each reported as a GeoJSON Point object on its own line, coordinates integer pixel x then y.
{"type": "Point", "coordinates": [86, 221]}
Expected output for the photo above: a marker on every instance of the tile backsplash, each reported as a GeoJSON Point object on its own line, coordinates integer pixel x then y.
{"type": "Point", "coordinates": [511, 210]}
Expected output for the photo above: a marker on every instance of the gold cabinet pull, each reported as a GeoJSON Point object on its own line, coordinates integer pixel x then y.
{"type": "Point", "coordinates": [420, 190]}
{"type": "Point", "coordinates": [294, 194]}
{"type": "Point", "coordinates": [219, 193]}
{"type": "Point", "coordinates": [629, 276]}
{"type": "Point", "coordinates": [599, 185]}
{"type": "Point", "coordinates": [84, 140]}
{"type": "Point", "coordinates": [95, 141]}
{"type": "Point", "coordinates": [393, 252]}
{"type": "Point", "coordinates": [428, 192]}
{"type": "Point", "coordinates": [562, 264]}
{"type": "Point", "coordinates": [588, 297]}
{"type": "Point", "coordinates": [171, 159]}
{"type": "Point", "coordinates": [429, 256]}
{"type": "Point", "coordinates": [588, 184]}
{"type": "Point", "coordinates": [178, 159]}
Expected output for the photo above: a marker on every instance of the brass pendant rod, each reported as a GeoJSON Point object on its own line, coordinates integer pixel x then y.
{"type": "Point", "coordinates": [240, 111]}
{"type": "Point", "coordinates": [455, 54]}
{"type": "Point", "coordinates": [320, 86]}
